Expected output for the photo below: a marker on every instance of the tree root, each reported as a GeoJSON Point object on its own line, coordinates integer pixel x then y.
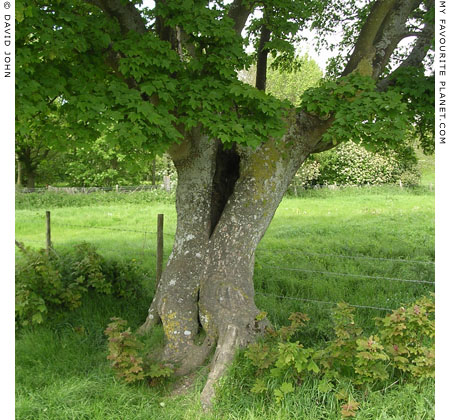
{"type": "Point", "coordinates": [225, 351]}
{"type": "Point", "coordinates": [152, 320]}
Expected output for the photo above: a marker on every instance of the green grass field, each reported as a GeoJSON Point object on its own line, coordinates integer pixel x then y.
{"type": "Point", "coordinates": [353, 245]}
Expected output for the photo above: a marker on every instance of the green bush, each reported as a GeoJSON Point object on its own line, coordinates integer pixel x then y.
{"type": "Point", "coordinates": [47, 282]}
{"type": "Point", "coordinates": [128, 358]}
{"type": "Point", "coordinates": [352, 164]}
{"type": "Point", "coordinates": [401, 348]}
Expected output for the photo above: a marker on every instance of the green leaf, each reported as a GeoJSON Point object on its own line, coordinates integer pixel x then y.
{"type": "Point", "coordinates": [286, 388]}
{"type": "Point", "coordinates": [37, 318]}
{"type": "Point", "coordinates": [312, 366]}
{"type": "Point", "coordinates": [259, 386]}
{"type": "Point", "coordinates": [325, 386]}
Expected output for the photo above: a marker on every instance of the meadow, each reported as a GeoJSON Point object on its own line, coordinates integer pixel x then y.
{"type": "Point", "coordinates": [371, 247]}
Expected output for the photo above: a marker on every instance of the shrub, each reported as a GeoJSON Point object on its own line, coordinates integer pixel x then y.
{"type": "Point", "coordinates": [48, 282]}
{"type": "Point", "coordinates": [281, 363]}
{"type": "Point", "coordinates": [39, 285]}
{"type": "Point", "coordinates": [125, 351]}
{"type": "Point", "coordinates": [402, 345]}
{"type": "Point", "coordinates": [410, 178]}
{"type": "Point", "coordinates": [307, 175]}
{"type": "Point", "coordinates": [352, 164]}
{"type": "Point", "coordinates": [408, 337]}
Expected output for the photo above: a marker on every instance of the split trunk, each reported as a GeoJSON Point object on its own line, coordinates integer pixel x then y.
{"type": "Point", "coordinates": [225, 201]}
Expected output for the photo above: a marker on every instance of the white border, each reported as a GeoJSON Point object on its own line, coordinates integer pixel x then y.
{"type": "Point", "coordinates": [7, 237]}
{"type": "Point", "coordinates": [442, 206]}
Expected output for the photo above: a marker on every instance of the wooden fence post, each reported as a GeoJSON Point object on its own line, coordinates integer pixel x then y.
{"type": "Point", "coordinates": [49, 238]}
{"type": "Point", "coordinates": [159, 248]}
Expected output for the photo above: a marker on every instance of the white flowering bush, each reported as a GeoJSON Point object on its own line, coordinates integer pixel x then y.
{"type": "Point", "coordinates": [352, 164]}
{"type": "Point", "coordinates": [306, 176]}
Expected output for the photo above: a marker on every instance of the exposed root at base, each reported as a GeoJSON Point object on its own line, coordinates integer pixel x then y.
{"type": "Point", "coordinates": [152, 319]}
{"type": "Point", "coordinates": [223, 356]}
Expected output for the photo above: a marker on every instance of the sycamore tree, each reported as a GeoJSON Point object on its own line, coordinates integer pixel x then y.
{"type": "Point", "coordinates": [165, 78]}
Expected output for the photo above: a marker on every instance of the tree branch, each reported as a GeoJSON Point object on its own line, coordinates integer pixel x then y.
{"type": "Point", "coordinates": [129, 18]}
{"type": "Point", "coordinates": [391, 33]}
{"type": "Point", "coordinates": [261, 65]}
{"type": "Point", "coordinates": [415, 58]}
{"type": "Point", "coordinates": [239, 12]}
{"type": "Point", "coordinates": [364, 48]}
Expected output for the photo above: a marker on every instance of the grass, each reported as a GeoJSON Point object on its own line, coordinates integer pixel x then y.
{"type": "Point", "coordinates": [62, 373]}
{"type": "Point", "coordinates": [426, 168]}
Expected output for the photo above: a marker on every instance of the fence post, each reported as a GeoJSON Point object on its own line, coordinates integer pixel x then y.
{"type": "Point", "coordinates": [159, 248]}
{"type": "Point", "coordinates": [117, 188]}
{"type": "Point", "coordinates": [49, 238]}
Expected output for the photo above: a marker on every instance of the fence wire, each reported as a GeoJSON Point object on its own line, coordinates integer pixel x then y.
{"type": "Point", "coordinates": [146, 276]}
{"type": "Point", "coordinates": [344, 256]}
{"type": "Point", "coordinates": [146, 232]}
{"type": "Point", "coordinates": [332, 273]}
{"type": "Point", "coordinates": [322, 301]}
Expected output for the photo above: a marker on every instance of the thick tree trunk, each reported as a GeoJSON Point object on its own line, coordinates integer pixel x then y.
{"type": "Point", "coordinates": [31, 180]}
{"type": "Point", "coordinates": [26, 168]}
{"type": "Point", "coordinates": [208, 281]}
{"type": "Point", "coordinates": [176, 299]}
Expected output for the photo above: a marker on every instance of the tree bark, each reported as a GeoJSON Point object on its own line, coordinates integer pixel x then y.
{"type": "Point", "coordinates": [19, 181]}
{"type": "Point", "coordinates": [208, 281]}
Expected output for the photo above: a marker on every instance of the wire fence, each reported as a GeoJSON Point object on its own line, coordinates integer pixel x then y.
{"type": "Point", "coordinates": [168, 185]}
{"type": "Point", "coordinates": [261, 253]}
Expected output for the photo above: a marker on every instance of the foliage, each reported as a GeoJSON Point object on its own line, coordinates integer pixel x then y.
{"type": "Point", "coordinates": [81, 75]}
{"type": "Point", "coordinates": [280, 361]}
{"type": "Point", "coordinates": [404, 342]}
{"type": "Point", "coordinates": [127, 355]}
{"type": "Point", "coordinates": [47, 282]}
{"type": "Point", "coordinates": [407, 335]}
{"type": "Point", "coordinates": [418, 93]}
{"type": "Point", "coordinates": [359, 111]}
{"type": "Point", "coordinates": [307, 175]}
{"type": "Point", "coordinates": [351, 164]}
{"type": "Point", "coordinates": [103, 165]}
{"type": "Point", "coordinates": [52, 64]}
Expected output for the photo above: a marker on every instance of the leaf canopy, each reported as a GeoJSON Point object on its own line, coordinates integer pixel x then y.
{"type": "Point", "coordinates": [142, 77]}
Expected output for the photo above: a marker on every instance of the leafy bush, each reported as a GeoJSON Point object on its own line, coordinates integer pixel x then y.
{"type": "Point", "coordinates": [280, 362]}
{"type": "Point", "coordinates": [46, 282]}
{"type": "Point", "coordinates": [410, 178]}
{"type": "Point", "coordinates": [402, 347]}
{"type": "Point", "coordinates": [407, 335]}
{"type": "Point", "coordinates": [125, 350]}
{"type": "Point", "coordinates": [352, 164]}
{"type": "Point", "coordinates": [307, 175]}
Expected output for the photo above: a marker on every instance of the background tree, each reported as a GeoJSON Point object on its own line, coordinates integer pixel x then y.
{"type": "Point", "coordinates": [287, 83]}
{"type": "Point", "coordinates": [99, 164]}
{"type": "Point", "coordinates": [166, 78]}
